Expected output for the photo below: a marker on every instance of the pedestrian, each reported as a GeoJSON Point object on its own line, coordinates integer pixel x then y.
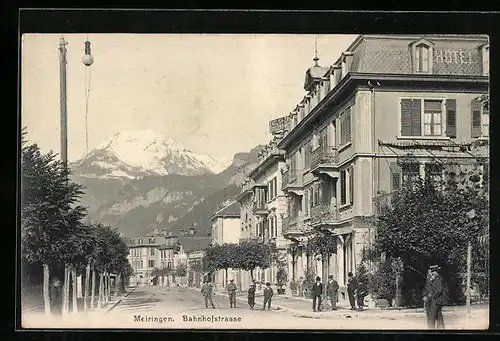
{"type": "Point", "coordinates": [251, 296]}
{"type": "Point", "coordinates": [352, 286]}
{"type": "Point", "coordinates": [332, 291]}
{"type": "Point", "coordinates": [207, 292]}
{"type": "Point", "coordinates": [436, 298]}
{"type": "Point", "coordinates": [55, 296]}
{"type": "Point", "coordinates": [231, 290]}
{"type": "Point", "coordinates": [426, 293]}
{"type": "Point", "coordinates": [317, 291]}
{"type": "Point", "coordinates": [268, 294]}
{"type": "Point", "coordinates": [360, 294]}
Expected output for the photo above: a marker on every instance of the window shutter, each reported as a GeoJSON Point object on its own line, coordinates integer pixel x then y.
{"type": "Point", "coordinates": [416, 117]}
{"type": "Point", "coordinates": [395, 176]}
{"type": "Point", "coordinates": [475, 118]}
{"type": "Point", "coordinates": [406, 117]}
{"type": "Point", "coordinates": [451, 118]}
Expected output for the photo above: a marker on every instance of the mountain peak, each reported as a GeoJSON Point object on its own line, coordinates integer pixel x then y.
{"type": "Point", "coordinates": [137, 153]}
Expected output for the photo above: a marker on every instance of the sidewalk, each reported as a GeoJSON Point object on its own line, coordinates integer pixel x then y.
{"type": "Point", "coordinates": [303, 306]}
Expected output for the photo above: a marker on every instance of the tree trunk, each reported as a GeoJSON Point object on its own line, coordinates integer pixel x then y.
{"type": "Point", "coordinates": [104, 288]}
{"type": "Point", "coordinates": [46, 289]}
{"type": "Point", "coordinates": [65, 305]}
{"type": "Point", "coordinates": [87, 283]}
{"type": "Point", "coordinates": [73, 281]}
{"type": "Point", "coordinates": [92, 292]}
{"type": "Point", "coordinates": [226, 277]}
{"type": "Point", "coordinates": [251, 275]}
{"type": "Point", "coordinates": [117, 284]}
{"type": "Point", "coordinates": [99, 300]}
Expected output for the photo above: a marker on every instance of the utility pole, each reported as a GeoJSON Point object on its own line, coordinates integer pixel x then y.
{"type": "Point", "coordinates": [64, 107]}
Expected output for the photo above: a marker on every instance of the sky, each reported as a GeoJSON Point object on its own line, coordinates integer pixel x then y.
{"type": "Point", "coordinates": [213, 93]}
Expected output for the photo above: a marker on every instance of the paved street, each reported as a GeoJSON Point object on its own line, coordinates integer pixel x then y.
{"type": "Point", "coordinates": [163, 308]}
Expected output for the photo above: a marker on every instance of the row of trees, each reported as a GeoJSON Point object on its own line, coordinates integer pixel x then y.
{"type": "Point", "coordinates": [248, 255]}
{"type": "Point", "coordinates": [57, 237]}
{"type": "Point", "coordinates": [432, 221]}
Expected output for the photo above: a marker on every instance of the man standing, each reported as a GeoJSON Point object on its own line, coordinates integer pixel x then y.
{"type": "Point", "coordinates": [352, 286]}
{"type": "Point", "coordinates": [317, 291]}
{"type": "Point", "coordinates": [426, 293]}
{"type": "Point", "coordinates": [206, 291]}
{"type": "Point", "coordinates": [231, 290]}
{"type": "Point", "coordinates": [436, 297]}
{"type": "Point", "coordinates": [332, 291]}
{"type": "Point", "coordinates": [268, 294]}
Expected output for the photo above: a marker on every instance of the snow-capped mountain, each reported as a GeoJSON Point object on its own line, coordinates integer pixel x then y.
{"type": "Point", "coordinates": [137, 154]}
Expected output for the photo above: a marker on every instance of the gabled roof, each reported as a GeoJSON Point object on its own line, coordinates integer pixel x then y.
{"type": "Point", "coordinates": [231, 210]}
{"type": "Point", "coordinates": [190, 244]}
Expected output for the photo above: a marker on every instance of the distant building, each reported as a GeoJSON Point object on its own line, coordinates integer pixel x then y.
{"type": "Point", "coordinates": [226, 227]}
{"type": "Point", "coordinates": [144, 257]}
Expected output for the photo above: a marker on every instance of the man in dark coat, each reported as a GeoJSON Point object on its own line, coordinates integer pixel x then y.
{"type": "Point", "coordinates": [426, 292]}
{"type": "Point", "coordinates": [268, 294]}
{"type": "Point", "coordinates": [206, 291]}
{"type": "Point", "coordinates": [251, 296]}
{"type": "Point", "coordinates": [332, 291]}
{"type": "Point", "coordinates": [231, 290]}
{"type": "Point", "coordinates": [352, 286]}
{"type": "Point", "coordinates": [360, 295]}
{"type": "Point", "coordinates": [317, 291]}
{"type": "Point", "coordinates": [436, 298]}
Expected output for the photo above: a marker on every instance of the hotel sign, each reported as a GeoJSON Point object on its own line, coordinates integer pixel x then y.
{"type": "Point", "coordinates": [453, 57]}
{"type": "Point", "coordinates": [278, 125]}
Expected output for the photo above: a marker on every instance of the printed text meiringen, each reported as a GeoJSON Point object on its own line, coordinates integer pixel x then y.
{"type": "Point", "coordinates": [159, 319]}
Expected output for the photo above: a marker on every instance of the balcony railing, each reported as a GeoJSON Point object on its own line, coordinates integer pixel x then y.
{"type": "Point", "coordinates": [324, 155]}
{"type": "Point", "coordinates": [290, 177]}
{"type": "Point", "coordinates": [292, 226]}
{"type": "Point", "coordinates": [324, 214]}
{"type": "Point", "coordinates": [259, 207]}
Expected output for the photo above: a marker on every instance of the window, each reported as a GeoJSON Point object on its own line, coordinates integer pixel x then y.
{"type": "Point", "coordinates": [422, 58]}
{"type": "Point", "coordinates": [485, 53]}
{"type": "Point", "coordinates": [434, 171]}
{"type": "Point", "coordinates": [432, 118]}
{"type": "Point", "coordinates": [422, 54]}
{"type": "Point", "coordinates": [152, 251]}
{"type": "Point", "coordinates": [345, 127]}
{"type": "Point", "coordinates": [410, 172]}
{"type": "Point", "coordinates": [343, 187]}
{"type": "Point", "coordinates": [351, 184]}
{"type": "Point", "coordinates": [307, 155]}
{"type": "Point", "coordinates": [480, 112]}
{"type": "Point", "coordinates": [425, 117]}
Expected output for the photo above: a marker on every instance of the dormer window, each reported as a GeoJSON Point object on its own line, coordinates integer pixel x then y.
{"type": "Point", "coordinates": [422, 52]}
{"type": "Point", "coordinates": [485, 56]}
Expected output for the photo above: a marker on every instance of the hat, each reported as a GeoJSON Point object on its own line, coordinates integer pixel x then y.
{"type": "Point", "coordinates": [331, 276]}
{"type": "Point", "coordinates": [268, 284]}
{"type": "Point", "coordinates": [318, 278]}
{"type": "Point", "coordinates": [231, 280]}
{"type": "Point", "coordinates": [434, 267]}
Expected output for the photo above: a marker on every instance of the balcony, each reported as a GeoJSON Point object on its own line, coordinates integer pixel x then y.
{"type": "Point", "coordinates": [293, 227]}
{"type": "Point", "coordinates": [291, 181]}
{"type": "Point", "coordinates": [324, 160]}
{"type": "Point", "coordinates": [260, 208]}
{"type": "Point", "coordinates": [324, 215]}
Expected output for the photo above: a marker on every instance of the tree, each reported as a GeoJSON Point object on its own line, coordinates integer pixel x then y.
{"type": "Point", "coordinates": [425, 224]}
{"type": "Point", "coordinates": [251, 254]}
{"type": "Point", "coordinates": [49, 211]}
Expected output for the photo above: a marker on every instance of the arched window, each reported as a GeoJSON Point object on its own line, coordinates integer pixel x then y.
{"type": "Point", "coordinates": [422, 56]}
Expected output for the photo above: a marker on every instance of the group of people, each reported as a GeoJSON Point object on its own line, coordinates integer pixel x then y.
{"type": "Point", "coordinates": [232, 288]}
{"type": "Point", "coordinates": [356, 292]}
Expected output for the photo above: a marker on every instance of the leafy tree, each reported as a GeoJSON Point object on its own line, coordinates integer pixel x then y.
{"type": "Point", "coordinates": [181, 270]}
{"type": "Point", "coordinates": [49, 211]}
{"type": "Point", "coordinates": [253, 254]}
{"type": "Point", "coordinates": [403, 227]}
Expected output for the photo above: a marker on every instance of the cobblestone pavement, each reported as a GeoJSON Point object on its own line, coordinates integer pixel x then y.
{"type": "Point", "coordinates": [164, 308]}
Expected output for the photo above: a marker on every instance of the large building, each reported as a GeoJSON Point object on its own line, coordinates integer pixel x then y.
{"type": "Point", "coordinates": [384, 112]}
{"type": "Point", "coordinates": [144, 257]}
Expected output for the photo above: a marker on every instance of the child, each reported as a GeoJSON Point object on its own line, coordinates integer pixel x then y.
{"type": "Point", "coordinates": [361, 293]}
{"type": "Point", "coordinates": [251, 296]}
{"type": "Point", "coordinates": [268, 293]}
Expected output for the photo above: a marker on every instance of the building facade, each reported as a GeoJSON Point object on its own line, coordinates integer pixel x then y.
{"type": "Point", "coordinates": [144, 257]}
{"type": "Point", "coordinates": [226, 228]}
{"type": "Point", "coordinates": [386, 99]}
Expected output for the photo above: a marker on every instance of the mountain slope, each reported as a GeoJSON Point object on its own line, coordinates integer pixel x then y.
{"type": "Point", "coordinates": [141, 202]}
